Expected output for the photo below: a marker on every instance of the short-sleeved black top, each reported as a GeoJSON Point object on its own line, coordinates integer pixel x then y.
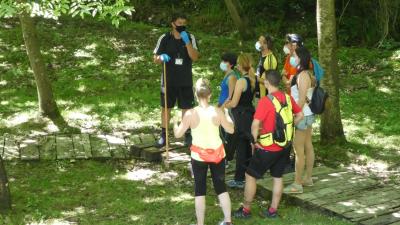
{"type": "Point", "coordinates": [177, 75]}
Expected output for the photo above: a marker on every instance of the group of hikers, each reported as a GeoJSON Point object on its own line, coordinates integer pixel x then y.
{"type": "Point", "coordinates": [261, 137]}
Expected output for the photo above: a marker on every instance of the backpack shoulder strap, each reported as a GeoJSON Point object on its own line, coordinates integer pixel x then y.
{"type": "Point", "coordinates": [275, 102]}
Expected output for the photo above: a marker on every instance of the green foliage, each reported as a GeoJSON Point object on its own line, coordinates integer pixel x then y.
{"type": "Point", "coordinates": [100, 9]}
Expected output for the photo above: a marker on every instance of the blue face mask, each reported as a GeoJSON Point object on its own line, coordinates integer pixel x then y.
{"type": "Point", "coordinates": [223, 66]}
{"type": "Point", "coordinates": [293, 61]}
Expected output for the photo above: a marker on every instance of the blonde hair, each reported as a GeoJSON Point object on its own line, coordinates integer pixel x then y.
{"type": "Point", "coordinates": [202, 88]}
{"type": "Point", "coordinates": [246, 63]}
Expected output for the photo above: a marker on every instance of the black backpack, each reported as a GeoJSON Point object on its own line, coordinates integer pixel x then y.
{"type": "Point", "coordinates": [318, 100]}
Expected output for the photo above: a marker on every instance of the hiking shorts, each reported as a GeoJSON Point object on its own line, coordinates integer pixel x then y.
{"type": "Point", "coordinates": [306, 122]}
{"type": "Point", "coordinates": [264, 160]}
{"type": "Point", "coordinates": [183, 95]}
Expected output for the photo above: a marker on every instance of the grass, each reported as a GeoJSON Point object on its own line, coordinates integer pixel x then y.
{"type": "Point", "coordinates": [104, 81]}
{"type": "Point", "coordinates": [91, 192]}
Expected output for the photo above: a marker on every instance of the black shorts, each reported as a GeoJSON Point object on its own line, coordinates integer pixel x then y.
{"type": "Point", "coordinates": [263, 160]}
{"type": "Point", "coordinates": [184, 96]}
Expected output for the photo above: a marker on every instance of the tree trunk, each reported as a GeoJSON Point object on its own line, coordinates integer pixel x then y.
{"type": "Point", "coordinates": [47, 104]}
{"type": "Point", "coordinates": [240, 19]}
{"type": "Point", "coordinates": [331, 123]}
{"type": "Point", "coordinates": [5, 198]}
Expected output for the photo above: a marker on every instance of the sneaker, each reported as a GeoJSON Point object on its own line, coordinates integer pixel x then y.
{"type": "Point", "coordinates": [293, 189]}
{"type": "Point", "coordinates": [225, 223]}
{"type": "Point", "coordinates": [160, 143]}
{"type": "Point", "coordinates": [241, 214]}
{"type": "Point", "coordinates": [235, 184]}
{"type": "Point", "coordinates": [265, 213]}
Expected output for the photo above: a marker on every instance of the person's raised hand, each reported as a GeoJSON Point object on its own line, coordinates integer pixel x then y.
{"type": "Point", "coordinates": [185, 37]}
{"type": "Point", "coordinates": [165, 58]}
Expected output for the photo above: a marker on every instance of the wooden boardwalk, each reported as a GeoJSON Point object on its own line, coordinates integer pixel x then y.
{"type": "Point", "coordinates": [81, 146]}
{"type": "Point", "coordinates": [339, 192]}
{"type": "Point", "coordinates": [343, 193]}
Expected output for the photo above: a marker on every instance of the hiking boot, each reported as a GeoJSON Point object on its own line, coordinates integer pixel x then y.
{"type": "Point", "coordinates": [265, 213]}
{"type": "Point", "coordinates": [241, 214]}
{"type": "Point", "coordinates": [161, 142]}
{"type": "Point", "coordinates": [188, 139]}
{"type": "Point", "coordinates": [235, 184]}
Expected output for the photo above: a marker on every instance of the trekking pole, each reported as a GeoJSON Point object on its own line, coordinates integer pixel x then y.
{"type": "Point", "coordinates": [166, 116]}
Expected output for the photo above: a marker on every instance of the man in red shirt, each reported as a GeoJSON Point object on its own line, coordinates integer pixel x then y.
{"type": "Point", "coordinates": [272, 157]}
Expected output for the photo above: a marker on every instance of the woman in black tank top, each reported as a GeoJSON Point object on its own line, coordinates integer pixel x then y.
{"type": "Point", "coordinates": [242, 111]}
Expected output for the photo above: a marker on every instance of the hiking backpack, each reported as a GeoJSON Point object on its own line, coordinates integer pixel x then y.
{"type": "Point", "coordinates": [318, 100]}
{"type": "Point", "coordinates": [283, 132]}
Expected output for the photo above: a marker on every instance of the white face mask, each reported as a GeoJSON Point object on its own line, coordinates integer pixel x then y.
{"type": "Point", "coordinates": [286, 50]}
{"type": "Point", "coordinates": [258, 46]}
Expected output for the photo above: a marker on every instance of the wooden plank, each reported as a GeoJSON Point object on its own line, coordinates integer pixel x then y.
{"type": "Point", "coordinates": [29, 149]}
{"type": "Point", "coordinates": [100, 148]}
{"type": "Point", "coordinates": [368, 198]}
{"type": "Point", "coordinates": [64, 147]}
{"type": "Point", "coordinates": [11, 150]}
{"type": "Point", "coordinates": [152, 154]}
{"type": "Point", "coordinates": [334, 188]}
{"type": "Point", "coordinates": [117, 146]}
{"type": "Point", "coordinates": [82, 146]}
{"type": "Point", "coordinates": [346, 193]}
{"type": "Point", "coordinates": [318, 176]}
{"type": "Point", "coordinates": [47, 147]}
{"type": "Point", "coordinates": [148, 140]}
{"type": "Point", "coordinates": [367, 212]}
{"type": "Point", "coordinates": [132, 140]}
{"type": "Point", "coordinates": [393, 217]}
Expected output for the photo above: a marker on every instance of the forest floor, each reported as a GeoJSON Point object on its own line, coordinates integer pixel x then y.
{"type": "Point", "coordinates": [104, 81]}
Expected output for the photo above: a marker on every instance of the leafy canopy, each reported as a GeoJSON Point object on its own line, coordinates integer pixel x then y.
{"type": "Point", "coordinates": [101, 9]}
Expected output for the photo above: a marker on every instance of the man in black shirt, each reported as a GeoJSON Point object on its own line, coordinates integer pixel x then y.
{"type": "Point", "coordinates": [177, 49]}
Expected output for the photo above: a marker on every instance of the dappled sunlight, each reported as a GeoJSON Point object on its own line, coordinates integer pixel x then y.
{"type": "Point", "coordinates": [180, 197]}
{"type": "Point", "coordinates": [81, 53]}
{"type": "Point", "coordinates": [75, 212]}
{"type": "Point", "coordinates": [124, 60]}
{"type": "Point", "coordinates": [201, 72]}
{"type": "Point", "coordinates": [149, 176]}
{"type": "Point", "coordinates": [140, 174]}
{"type": "Point", "coordinates": [52, 222]}
{"type": "Point", "coordinates": [385, 89]}
{"type": "Point", "coordinates": [135, 217]}
{"type": "Point", "coordinates": [395, 55]}
{"type": "Point", "coordinates": [362, 131]}
{"type": "Point", "coordinates": [19, 118]}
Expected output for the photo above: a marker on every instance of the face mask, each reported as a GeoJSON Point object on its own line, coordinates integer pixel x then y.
{"type": "Point", "coordinates": [258, 46]}
{"type": "Point", "coordinates": [293, 61]}
{"type": "Point", "coordinates": [286, 50]}
{"type": "Point", "coordinates": [223, 66]}
{"type": "Point", "coordinates": [180, 28]}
